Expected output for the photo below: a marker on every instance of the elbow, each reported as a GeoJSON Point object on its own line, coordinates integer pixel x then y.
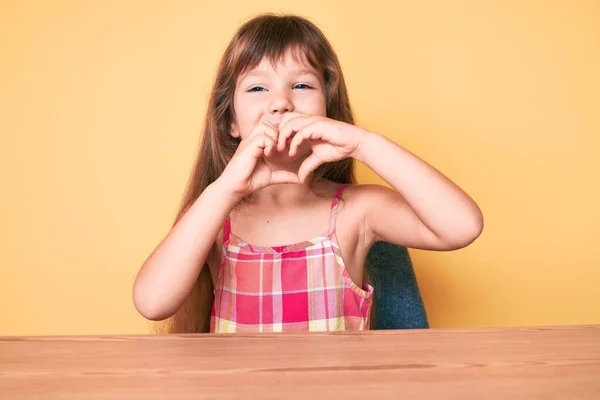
{"type": "Point", "coordinates": [465, 234]}
{"type": "Point", "coordinates": [469, 232]}
{"type": "Point", "coordinates": [149, 306]}
{"type": "Point", "coordinates": [472, 232]}
{"type": "Point", "coordinates": [476, 225]}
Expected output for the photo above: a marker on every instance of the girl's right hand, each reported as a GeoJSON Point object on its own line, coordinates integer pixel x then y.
{"type": "Point", "coordinates": [247, 170]}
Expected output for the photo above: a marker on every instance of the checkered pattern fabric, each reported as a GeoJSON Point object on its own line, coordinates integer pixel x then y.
{"type": "Point", "coordinates": [299, 287]}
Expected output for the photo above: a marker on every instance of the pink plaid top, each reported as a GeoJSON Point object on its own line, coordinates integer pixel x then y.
{"type": "Point", "coordinates": [299, 287]}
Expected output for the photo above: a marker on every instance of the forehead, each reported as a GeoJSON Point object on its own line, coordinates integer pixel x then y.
{"type": "Point", "coordinates": [289, 62]}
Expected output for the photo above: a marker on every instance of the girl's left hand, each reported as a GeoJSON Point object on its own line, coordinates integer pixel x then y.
{"type": "Point", "coordinates": [330, 140]}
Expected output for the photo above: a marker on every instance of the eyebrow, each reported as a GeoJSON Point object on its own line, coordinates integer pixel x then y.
{"type": "Point", "coordinates": [261, 74]}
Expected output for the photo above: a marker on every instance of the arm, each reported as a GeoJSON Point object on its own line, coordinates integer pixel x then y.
{"type": "Point", "coordinates": [426, 210]}
{"type": "Point", "coordinates": [170, 272]}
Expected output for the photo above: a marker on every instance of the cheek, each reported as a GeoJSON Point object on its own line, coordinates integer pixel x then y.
{"type": "Point", "coordinates": [247, 114]}
{"type": "Point", "coordinates": [316, 106]}
{"type": "Point", "coordinates": [312, 103]}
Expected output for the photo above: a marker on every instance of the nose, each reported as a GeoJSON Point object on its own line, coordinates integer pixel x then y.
{"type": "Point", "coordinates": [281, 102]}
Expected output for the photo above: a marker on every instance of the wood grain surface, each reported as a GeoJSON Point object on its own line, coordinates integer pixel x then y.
{"type": "Point", "coordinates": [505, 363]}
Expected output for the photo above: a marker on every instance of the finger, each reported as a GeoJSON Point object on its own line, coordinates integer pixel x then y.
{"type": "Point", "coordinates": [284, 136]}
{"type": "Point", "coordinates": [289, 116]}
{"type": "Point", "coordinates": [286, 130]}
{"type": "Point", "coordinates": [270, 130]}
{"type": "Point", "coordinates": [291, 127]}
{"type": "Point", "coordinates": [307, 167]}
{"type": "Point", "coordinates": [264, 127]}
{"type": "Point", "coordinates": [284, 177]}
{"type": "Point", "coordinates": [270, 145]}
{"type": "Point", "coordinates": [261, 144]}
{"type": "Point", "coordinates": [309, 132]}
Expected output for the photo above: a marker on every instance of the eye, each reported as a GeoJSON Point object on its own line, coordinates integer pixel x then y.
{"type": "Point", "coordinates": [256, 89]}
{"type": "Point", "coordinates": [302, 86]}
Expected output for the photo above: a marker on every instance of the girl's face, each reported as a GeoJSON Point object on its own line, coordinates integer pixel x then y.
{"type": "Point", "coordinates": [267, 93]}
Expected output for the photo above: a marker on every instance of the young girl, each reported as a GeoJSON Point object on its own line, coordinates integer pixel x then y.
{"type": "Point", "coordinates": [273, 232]}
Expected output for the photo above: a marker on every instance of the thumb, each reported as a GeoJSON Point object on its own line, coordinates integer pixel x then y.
{"type": "Point", "coordinates": [283, 177]}
{"type": "Point", "coordinates": [311, 163]}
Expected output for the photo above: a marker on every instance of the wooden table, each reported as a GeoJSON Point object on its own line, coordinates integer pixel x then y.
{"type": "Point", "coordinates": [521, 363]}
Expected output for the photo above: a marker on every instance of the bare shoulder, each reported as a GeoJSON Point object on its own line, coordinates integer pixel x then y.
{"type": "Point", "coordinates": [351, 230]}
{"type": "Point", "coordinates": [356, 193]}
{"type": "Point", "coordinates": [360, 199]}
{"type": "Point", "coordinates": [356, 201]}
{"type": "Point", "coordinates": [366, 194]}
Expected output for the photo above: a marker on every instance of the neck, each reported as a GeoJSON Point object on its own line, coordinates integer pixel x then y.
{"type": "Point", "coordinates": [287, 193]}
{"type": "Point", "coordinates": [282, 194]}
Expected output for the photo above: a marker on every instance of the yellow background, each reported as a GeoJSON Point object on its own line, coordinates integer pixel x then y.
{"type": "Point", "coordinates": [101, 107]}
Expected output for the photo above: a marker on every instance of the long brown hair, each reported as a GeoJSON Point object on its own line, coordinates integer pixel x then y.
{"type": "Point", "coordinates": [267, 36]}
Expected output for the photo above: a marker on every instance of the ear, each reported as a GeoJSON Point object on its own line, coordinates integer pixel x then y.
{"type": "Point", "coordinates": [234, 131]}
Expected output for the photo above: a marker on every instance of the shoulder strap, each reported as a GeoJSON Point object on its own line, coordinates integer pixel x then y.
{"type": "Point", "coordinates": [226, 231]}
{"type": "Point", "coordinates": [334, 209]}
